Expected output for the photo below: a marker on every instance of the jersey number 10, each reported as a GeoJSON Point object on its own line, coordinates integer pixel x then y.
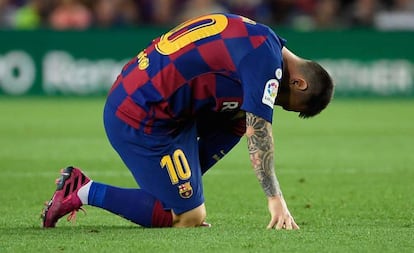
{"type": "Point", "coordinates": [177, 166]}
{"type": "Point", "coordinates": [191, 31]}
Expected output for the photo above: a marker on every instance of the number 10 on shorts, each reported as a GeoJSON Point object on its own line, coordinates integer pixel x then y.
{"type": "Point", "coordinates": [177, 166]}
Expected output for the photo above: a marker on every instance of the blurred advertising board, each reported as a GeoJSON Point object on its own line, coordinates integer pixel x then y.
{"type": "Point", "coordinates": [44, 62]}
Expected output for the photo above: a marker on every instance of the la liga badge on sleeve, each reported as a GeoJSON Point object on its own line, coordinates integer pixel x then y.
{"type": "Point", "coordinates": [270, 92]}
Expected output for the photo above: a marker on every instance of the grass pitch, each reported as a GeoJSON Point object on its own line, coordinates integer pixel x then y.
{"type": "Point", "coordinates": [347, 176]}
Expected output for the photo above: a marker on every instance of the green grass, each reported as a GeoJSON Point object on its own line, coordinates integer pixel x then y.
{"type": "Point", "coordinates": [347, 176]}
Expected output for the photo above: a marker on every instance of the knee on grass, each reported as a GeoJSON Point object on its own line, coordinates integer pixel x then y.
{"type": "Point", "coordinates": [192, 218]}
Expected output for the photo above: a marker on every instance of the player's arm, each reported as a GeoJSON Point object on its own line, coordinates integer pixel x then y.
{"type": "Point", "coordinates": [261, 151]}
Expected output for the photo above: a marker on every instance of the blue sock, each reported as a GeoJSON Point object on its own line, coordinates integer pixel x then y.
{"type": "Point", "coordinates": [135, 205]}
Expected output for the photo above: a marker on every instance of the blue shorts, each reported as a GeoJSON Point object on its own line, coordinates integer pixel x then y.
{"type": "Point", "coordinates": [170, 167]}
{"type": "Point", "coordinates": [165, 166]}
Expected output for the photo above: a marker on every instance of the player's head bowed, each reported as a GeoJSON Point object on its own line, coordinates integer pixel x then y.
{"type": "Point", "coordinates": [320, 88]}
{"type": "Point", "coordinates": [306, 88]}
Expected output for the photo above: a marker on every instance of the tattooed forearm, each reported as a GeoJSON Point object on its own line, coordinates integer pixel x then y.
{"type": "Point", "coordinates": [260, 145]}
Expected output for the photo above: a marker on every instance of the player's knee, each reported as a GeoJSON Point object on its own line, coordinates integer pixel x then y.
{"type": "Point", "coordinates": [192, 218]}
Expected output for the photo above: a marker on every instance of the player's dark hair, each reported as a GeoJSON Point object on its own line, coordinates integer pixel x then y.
{"type": "Point", "coordinates": [320, 88]}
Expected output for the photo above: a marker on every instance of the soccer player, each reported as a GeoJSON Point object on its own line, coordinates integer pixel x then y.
{"type": "Point", "coordinates": [182, 104]}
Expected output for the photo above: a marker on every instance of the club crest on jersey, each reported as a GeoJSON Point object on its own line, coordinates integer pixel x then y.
{"type": "Point", "coordinates": [270, 92]}
{"type": "Point", "coordinates": [185, 190]}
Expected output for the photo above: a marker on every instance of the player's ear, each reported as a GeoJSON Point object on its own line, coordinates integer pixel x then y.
{"type": "Point", "coordinates": [298, 83]}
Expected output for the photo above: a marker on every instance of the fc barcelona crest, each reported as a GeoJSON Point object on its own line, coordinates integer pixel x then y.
{"type": "Point", "coordinates": [185, 190]}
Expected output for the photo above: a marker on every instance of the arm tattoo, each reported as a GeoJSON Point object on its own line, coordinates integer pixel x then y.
{"type": "Point", "coordinates": [260, 145]}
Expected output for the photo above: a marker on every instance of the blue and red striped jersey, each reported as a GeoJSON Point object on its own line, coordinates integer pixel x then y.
{"type": "Point", "coordinates": [217, 62]}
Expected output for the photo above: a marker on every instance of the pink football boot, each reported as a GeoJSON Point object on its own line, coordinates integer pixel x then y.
{"type": "Point", "coordinates": [65, 199]}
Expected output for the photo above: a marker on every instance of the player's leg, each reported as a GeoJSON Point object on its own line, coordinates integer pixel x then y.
{"type": "Point", "coordinates": [214, 146]}
{"type": "Point", "coordinates": [135, 205]}
{"type": "Point", "coordinates": [192, 218]}
{"type": "Point", "coordinates": [169, 177]}
{"type": "Point", "coordinates": [145, 210]}
{"type": "Point", "coordinates": [218, 134]}
{"type": "Point", "coordinates": [75, 189]}
{"type": "Point", "coordinates": [166, 167]}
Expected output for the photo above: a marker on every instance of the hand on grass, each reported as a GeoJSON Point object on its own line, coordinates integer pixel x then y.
{"type": "Point", "coordinates": [280, 215]}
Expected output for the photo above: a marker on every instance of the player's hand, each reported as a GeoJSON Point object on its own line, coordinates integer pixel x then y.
{"type": "Point", "coordinates": [281, 217]}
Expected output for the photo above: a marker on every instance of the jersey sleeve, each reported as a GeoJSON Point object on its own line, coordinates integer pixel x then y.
{"type": "Point", "coordinates": [261, 74]}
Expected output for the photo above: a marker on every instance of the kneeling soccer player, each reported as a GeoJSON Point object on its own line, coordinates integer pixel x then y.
{"type": "Point", "coordinates": [183, 103]}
